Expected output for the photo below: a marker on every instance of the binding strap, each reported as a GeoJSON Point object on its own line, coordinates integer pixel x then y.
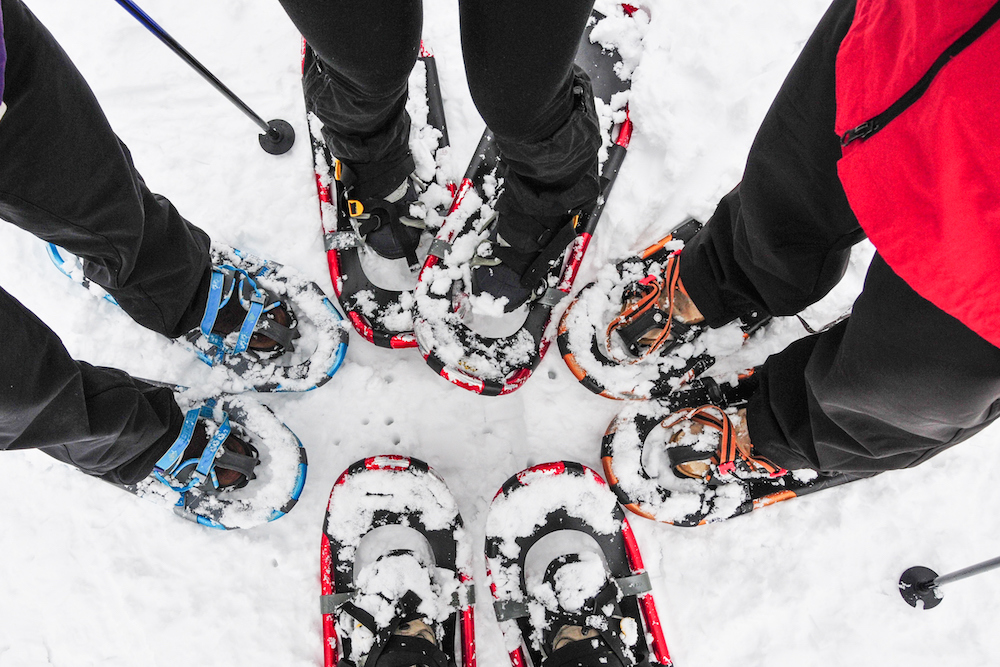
{"type": "Point", "coordinates": [227, 282]}
{"type": "Point", "coordinates": [642, 314]}
{"type": "Point", "coordinates": [728, 458]}
{"type": "Point", "coordinates": [182, 475]}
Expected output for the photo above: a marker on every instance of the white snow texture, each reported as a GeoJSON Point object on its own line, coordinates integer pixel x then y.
{"type": "Point", "coordinates": [94, 576]}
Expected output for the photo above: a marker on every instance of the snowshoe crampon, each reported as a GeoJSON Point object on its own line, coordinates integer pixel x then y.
{"type": "Point", "coordinates": [563, 515]}
{"type": "Point", "coordinates": [486, 357]}
{"type": "Point", "coordinates": [639, 455]}
{"type": "Point", "coordinates": [391, 518]}
{"type": "Point", "coordinates": [382, 313]}
{"type": "Point", "coordinates": [605, 332]}
{"type": "Point", "coordinates": [310, 345]}
{"type": "Point", "coordinates": [273, 486]}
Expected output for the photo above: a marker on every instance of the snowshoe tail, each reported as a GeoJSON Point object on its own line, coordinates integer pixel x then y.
{"type": "Point", "coordinates": [565, 496]}
{"type": "Point", "coordinates": [494, 366]}
{"type": "Point", "coordinates": [404, 493]}
{"type": "Point", "coordinates": [382, 316]}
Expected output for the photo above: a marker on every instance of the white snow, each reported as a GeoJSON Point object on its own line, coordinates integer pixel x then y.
{"type": "Point", "coordinates": [95, 576]}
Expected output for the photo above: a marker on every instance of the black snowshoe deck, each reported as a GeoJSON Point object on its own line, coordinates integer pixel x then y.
{"type": "Point", "coordinates": [391, 505]}
{"type": "Point", "coordinates": [496, 366]}
{"type": "Point", "coordinates": [608, 527]}
{"type": "Point", "coordinates": [375, 312]}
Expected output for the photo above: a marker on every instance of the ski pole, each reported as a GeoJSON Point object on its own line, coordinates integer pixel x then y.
{"type": "Point", "coordinates": [278, 135]}
{"type": "Point", "coordinates": [920, 583]}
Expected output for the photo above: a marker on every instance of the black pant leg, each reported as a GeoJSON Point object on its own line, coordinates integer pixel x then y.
{"type": "Point", "coordinates": [97, 419]}
{"type": "Point", "coordinates": [781, 240]}
{"type": "Point", "coordinates": [519, 62]}
{"type": "Point", "coordinates": [895, 384]}
{"type": "Point", "coordinates": [358, 85]}
{"type": "Point", "coordinates": [66, 178]}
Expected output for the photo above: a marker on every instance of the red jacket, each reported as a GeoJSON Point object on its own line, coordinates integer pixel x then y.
{"type": "Point", "coordinates": [926, 187]}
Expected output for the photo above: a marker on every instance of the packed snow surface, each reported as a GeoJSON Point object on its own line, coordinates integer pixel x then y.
{"type": "Point", "coordinates": [95, 576]}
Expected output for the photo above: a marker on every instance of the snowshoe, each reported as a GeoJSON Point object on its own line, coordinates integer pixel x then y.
{"type": "Point", "coordinates": [663, 469]}
{"type": "Point", "coordinates": [250, 471]}
{"type": "Point", "coordinates": [304, 338]}
{"type": "Point", "coordinates": [498, 354]}
{"type": "Point", "coordinates": [375, 291]}
{"type": "Point", "coordinates": [563, 564]}
{"type": "Point", "coordinates": [619, 342]}
{"type": "Point", "coordinates": [396, 570]}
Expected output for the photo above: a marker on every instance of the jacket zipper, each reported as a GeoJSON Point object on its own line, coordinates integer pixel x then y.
{"type": "Point", "coordinates": [873, 125]}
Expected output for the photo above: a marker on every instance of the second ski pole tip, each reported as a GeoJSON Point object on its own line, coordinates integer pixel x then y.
{"type": "Point", "coordinates": [917, 586]}
{"type": "Point", "coordinates": [279, 137]}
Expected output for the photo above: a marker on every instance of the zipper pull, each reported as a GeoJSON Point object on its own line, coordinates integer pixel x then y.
{"type": "Point", "coordinates": [861, 132]}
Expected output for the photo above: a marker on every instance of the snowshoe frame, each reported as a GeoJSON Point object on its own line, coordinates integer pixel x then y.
{"type": "Point", "coordinates": [620, 550]}
{"type": "Point", "coordinates": [340, 240]}
{"type": "Point", "coordinates": [559, 281]}
{"type": "Point", "coordinates": [337, 575]}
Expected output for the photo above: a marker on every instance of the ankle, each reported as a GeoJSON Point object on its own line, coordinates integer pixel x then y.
{"type": "Point", "coordinates": [684, 308]}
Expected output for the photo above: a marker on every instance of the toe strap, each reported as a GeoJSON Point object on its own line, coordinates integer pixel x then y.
{"type": "Point", "coordinates": [229, 282]}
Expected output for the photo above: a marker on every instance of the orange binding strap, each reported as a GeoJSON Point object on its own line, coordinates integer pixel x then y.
{"type": "Point", "coordinates": [729, 450]}
{"type": "Point", "coordinates": [652, 287]}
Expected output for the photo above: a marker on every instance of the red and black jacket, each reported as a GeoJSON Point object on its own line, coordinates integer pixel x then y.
{"type": "Point", "coordinates": [918, 110]}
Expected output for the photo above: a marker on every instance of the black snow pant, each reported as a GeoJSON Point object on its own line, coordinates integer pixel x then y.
{"type": "Point", "coordinates": [66, 178]}
{"type": "Point", "coordinates": [519, 63]}
{"type": "Point", "coordinates": [893, 385]}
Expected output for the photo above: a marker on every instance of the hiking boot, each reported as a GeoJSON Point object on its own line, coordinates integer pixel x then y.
{"type": "Point", "coordinates": [515, 269]}
{"type": "Point", "coordinates": [585, 627]}
{"type": "Point", "coordinates": [384, 207]}
{"type": "Point", "coordinates": [712, 445]}
{"type": "Point", "coordinates": [210, 454]}
{"type": "Point", "coordinates": [657, 313]}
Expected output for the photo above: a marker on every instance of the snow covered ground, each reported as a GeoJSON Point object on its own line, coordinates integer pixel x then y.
{"type": "Point", "coordinates": [92, 576]}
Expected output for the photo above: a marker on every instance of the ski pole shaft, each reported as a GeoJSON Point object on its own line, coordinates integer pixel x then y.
{"type": "Point", "coordinates": [970, 571]}
{"type": "Point", "coordinates": [276, 133]}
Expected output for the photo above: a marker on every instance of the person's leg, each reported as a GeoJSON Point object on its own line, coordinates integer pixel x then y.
{"type": "Point", "coordinates": [66, 178]}
{"type": "Point", "coordinates": [892, 386]}
{"type": "Point", "coordinates": [519, 62]}
{"type": "Point", "coordinates": [99, 420]}
{"type": "Point", "coordinates": [357, 85]}
{"type": "Point", "coordinates": [781, 240]}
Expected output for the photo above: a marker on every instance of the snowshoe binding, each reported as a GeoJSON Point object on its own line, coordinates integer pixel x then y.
{"type": "Point", "coordinates": [234, 465]}
{"type": "Point", "coordinates": [469, 340]}
{"type": "Point", "coordinates": [270, 328]}
{"type": "Point", "coordinates": [373, 242]}
{"type": "Point", "coordinates": [621, 339]}
{"type": "Point", "coordinates": [396, 576]}
{"type": "Point", "coordinates": [567, 577]}
{"type": "Point", "coordinates": [682, 461]}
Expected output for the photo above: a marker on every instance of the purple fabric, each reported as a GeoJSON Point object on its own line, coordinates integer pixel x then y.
{"type": "Point", "coordinates": [3, 56]}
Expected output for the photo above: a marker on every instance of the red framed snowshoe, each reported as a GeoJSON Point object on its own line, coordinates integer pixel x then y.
{"type": "Point", "coordinates": [487, 363]}
{"type": "Point", "coordinates": [393, 519]}
{"type": "Point", "coordinates": [639, 463]}
{"type": "Point", "coordinates": [381, 314]}
{"type": "Point", "coordinates": [563, 514]}
{"type": "Point", "coordinates": [615, 364]}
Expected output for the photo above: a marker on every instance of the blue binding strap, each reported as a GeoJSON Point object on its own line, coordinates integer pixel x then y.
{"type": "Point", "coordinates": [214, 301]}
